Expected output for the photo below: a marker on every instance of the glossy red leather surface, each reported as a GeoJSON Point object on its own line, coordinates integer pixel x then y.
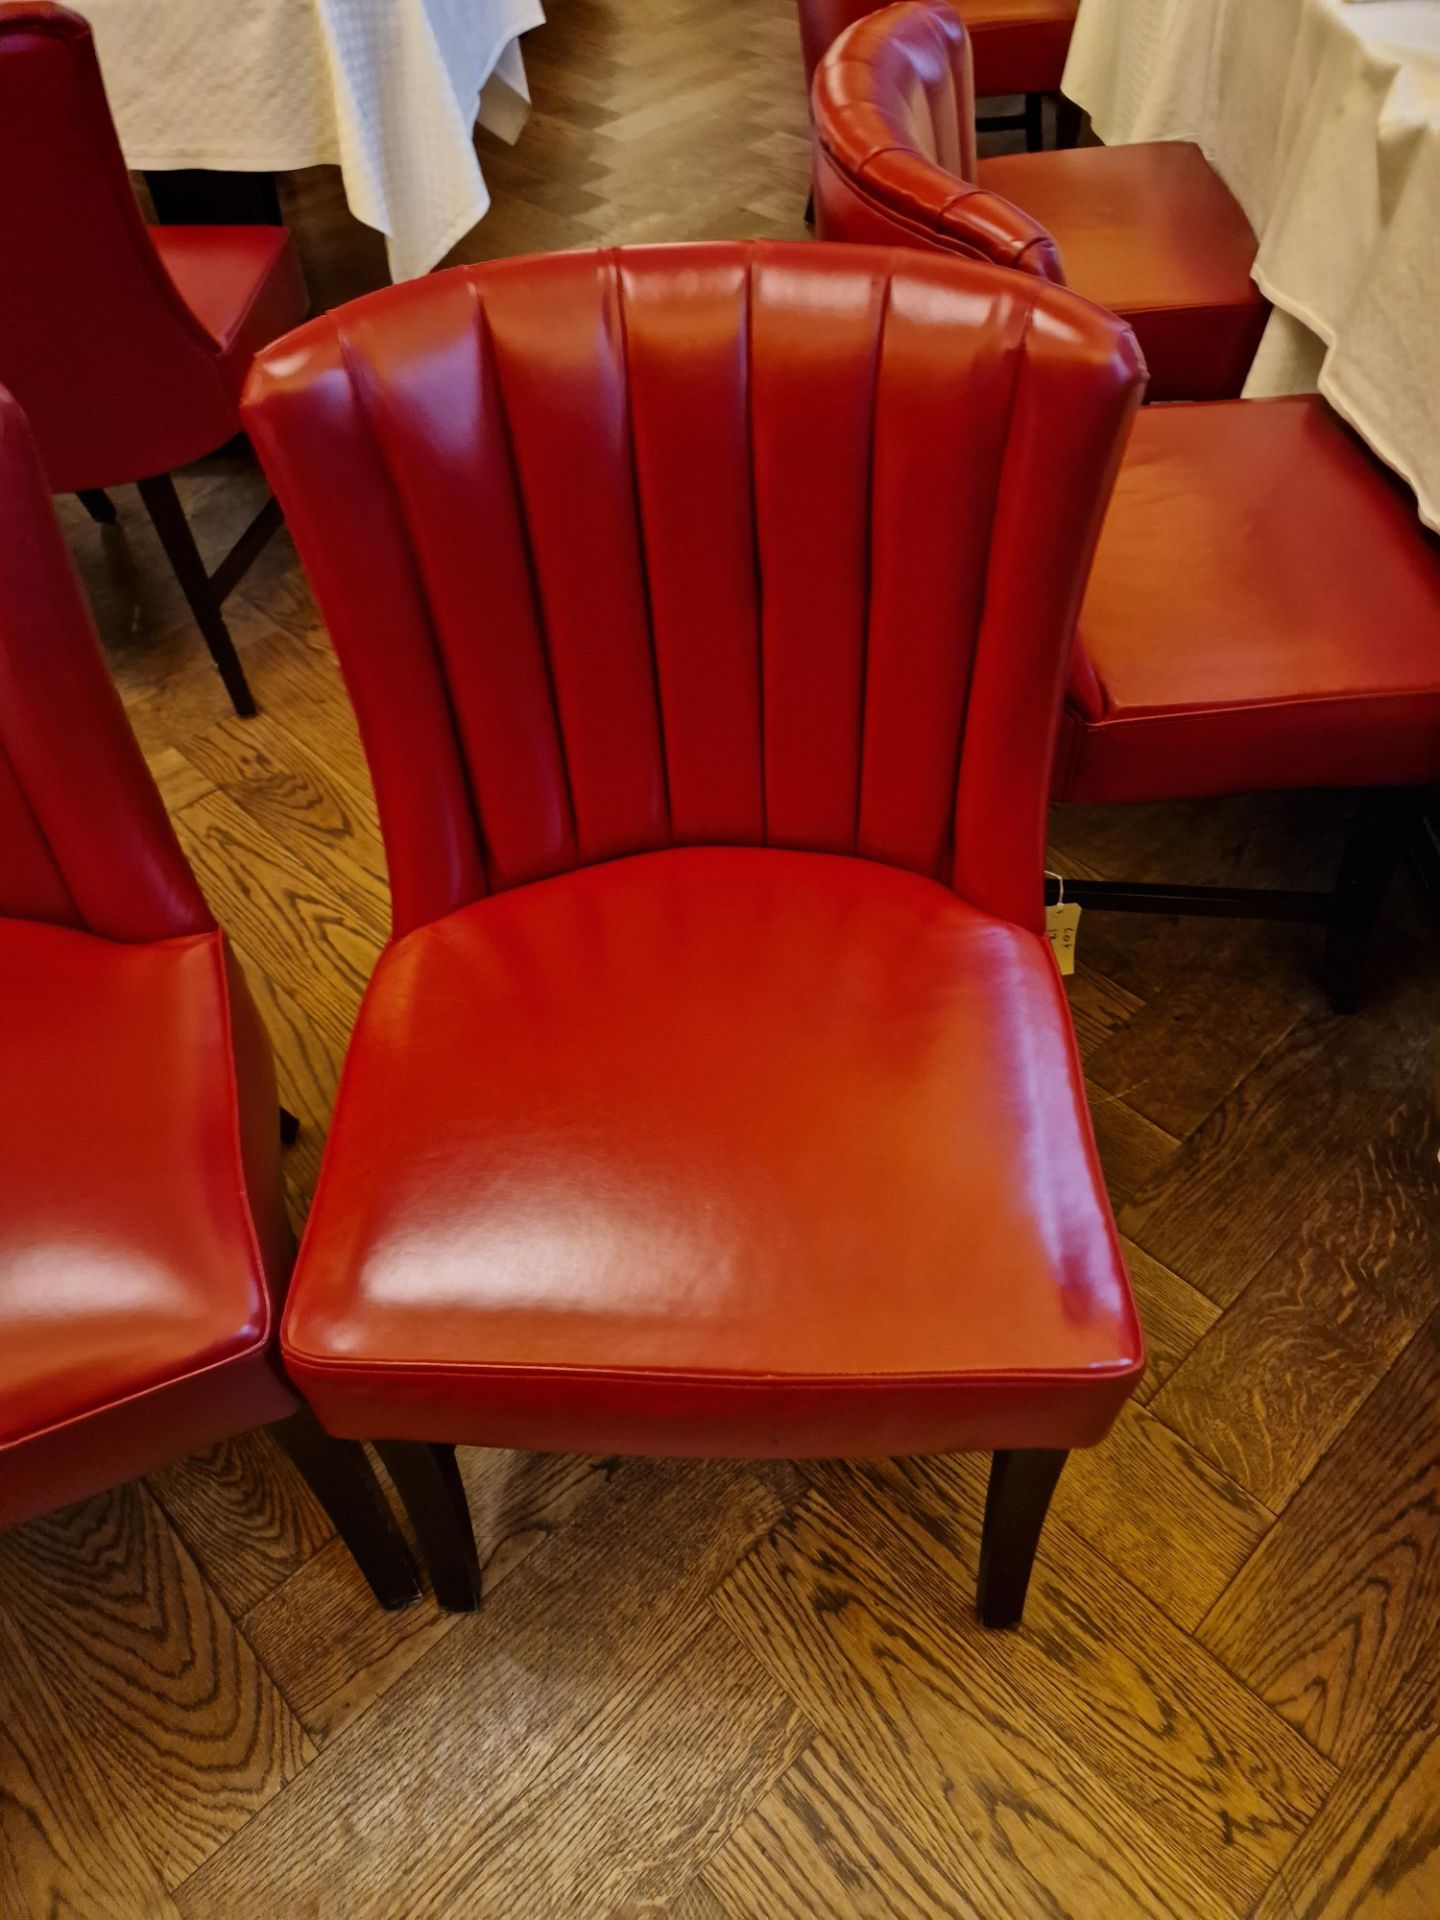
{"type": "Point", "coordinates": [1264, 611]}
{"type": "Point", "coordinates": [770, 547]}
{"type": "Point", "coordinates": [745, 1155]}
{"type": "Point", "coordinates": [1149, 231]}
{"type": "Point", "coordinates": [1153, 233]}
{"type": "Point", "coordinates": [143, 1240]}
{"type": "Point", "coordinates": [1019, 45]}
{"type": "Point", "coordinates": [120, 377]}
{"type": "Point", "coordinates": [838, 628]}
{"type": "Point", "coordinates": [129, 1266]}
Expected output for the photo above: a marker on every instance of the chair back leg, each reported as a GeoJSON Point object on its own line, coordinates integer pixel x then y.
{"type": "Point", "coordinates": [340, 1476]}
{"type": "Point", "coordinates": [1016, 1503]}
{"type": "Point", "coordinates": [162, 503]}
{"type": "Point", "coordinates": [427, 1478]}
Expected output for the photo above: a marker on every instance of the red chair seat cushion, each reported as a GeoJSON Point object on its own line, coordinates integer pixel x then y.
{"type": "Point", "coordinates": [1264, 611]}
{"type": "Point", "coordinates": [129, 1261]}
{"type": "Point", "coordinates": [243, 284]}
{"type": "Point", "coordinates": [1153, 233]}
{"type": "Point", "coordinates": [1018, 46]}
{"type": "Point", "coordinates": [715, 1151]}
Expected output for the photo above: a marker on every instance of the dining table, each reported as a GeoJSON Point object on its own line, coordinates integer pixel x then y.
{"type": "Point", "coordinates": [1323, 119]}
{"type": "Point", "coordinates": [389, 91]}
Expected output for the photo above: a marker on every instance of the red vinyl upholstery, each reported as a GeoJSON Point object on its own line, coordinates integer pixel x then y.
{"type": "Point", "coordinates": [1264, 612]}
{"type": "Point", "coordinates": [143, 1242]}
{"type": "Point", "coordinates": [1149, 231]}
{"type": "Point", "coordinates": [126, 349]}
{"type": "Point", "coordinates": [705, 611]}
{"type": "Point", "coordinates": [1019, 45]}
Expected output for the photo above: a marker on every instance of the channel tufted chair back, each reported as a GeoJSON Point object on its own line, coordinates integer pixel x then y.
{"type": "Point", "coordinates": [739, 543]}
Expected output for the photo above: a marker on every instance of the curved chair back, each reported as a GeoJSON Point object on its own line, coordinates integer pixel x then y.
{"type": "Point", "coordinates": [84, 837]}
{"type": "Point", "coordinates": [752, 544]}
{"type": "Point", "coordinates": [893, 130]}
{"type": "Point", "coordinates": [117, 376]}
{"type": "Point", "coordinates": [821, 23]}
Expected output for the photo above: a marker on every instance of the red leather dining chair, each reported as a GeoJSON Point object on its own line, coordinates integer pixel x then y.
{"type": "Point", "coordinates": [1263, 613]}
{"type": "Point", "coordinates": [705, 611]}
{"type": "Point", "coordinates": [144, 1248]}
{"type": "Point", "coordinates": [1264, 609]}
{"type": "Point", "coordinates": [1149, 231]}
{"type": "Point", "coordinates": [125, 344]}
{"type": "Point", "coordinates": [1019, 46]}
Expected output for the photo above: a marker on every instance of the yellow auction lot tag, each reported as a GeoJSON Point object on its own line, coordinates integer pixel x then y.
{"type": "Point", "coordinates": [1062, 926]}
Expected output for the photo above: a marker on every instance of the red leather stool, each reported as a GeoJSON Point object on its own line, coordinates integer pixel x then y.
{"type": "Point", "coordinates": [1149, 231]}
{"type": "Point", "coordinates": [144, 1248]}
{"type": "Point", "coordinates": [125, 344]}
{"type": "Point", "coordinates": [706, 612]}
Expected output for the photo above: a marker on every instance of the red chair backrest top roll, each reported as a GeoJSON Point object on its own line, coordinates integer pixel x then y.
{"type": "Point", "coordinates": [84, 837]}
{"type": "Point", "coordinates": [740, 543]}
{"type": "Point", "coordinates": [893, 130]}
{"type": "Point", "coordinates": [118, 378]}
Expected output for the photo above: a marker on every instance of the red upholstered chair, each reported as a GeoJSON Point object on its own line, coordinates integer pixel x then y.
{"type": "Point", "coordinates": [1264, 612]}
{"type": "Point", "coordinates": [1149, 231]}
{"type": "Point", "coordinates": [705, 610]}
{"type": "Point", "coordinates": [1019, 46]}
{"type": "Point", "coordinates": [125, 345]}
{"type": "Point", "coordinates": [144, 1248]}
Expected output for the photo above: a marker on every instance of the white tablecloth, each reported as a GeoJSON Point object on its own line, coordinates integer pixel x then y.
{"type": "Point", "coordinates": [388, 89]}
{"type": "Point", "coordinates": [1323, 119]}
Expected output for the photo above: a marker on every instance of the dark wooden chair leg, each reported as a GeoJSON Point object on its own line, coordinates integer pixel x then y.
{"type": "Point", "coordinates": [343, 1481]}
{"type": "Point", "coordinates": [427, 1479]}
{"type": "Point", "coordinates": [162, 503]}
{"type": "Point", "coordinates": [289, 1128]}
{"type": "Point", "coordinates": [98, 504]}
{"type": "Point", "coordinates": [1069, 119]}
{"type": "Point", "coordinates": [1016, 1503]}
{"type": "Point", "coordinates": [1367, 864]}
{"type": "Point", "coordinates": [1034, 122]}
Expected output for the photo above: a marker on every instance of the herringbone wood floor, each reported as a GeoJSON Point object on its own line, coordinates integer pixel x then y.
{"type": "Point", "coordinates": [708, 1689]}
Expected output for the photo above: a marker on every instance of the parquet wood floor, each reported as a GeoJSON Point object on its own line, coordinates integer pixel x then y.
{"type": "Point", "coordinates": [706, 1690]}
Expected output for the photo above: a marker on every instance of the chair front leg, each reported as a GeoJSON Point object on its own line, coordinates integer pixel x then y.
{"type": "Point", "coordinates": [1372, 852]}
{"type": "Point", "coordinates": [427, 1478]}
{"type": "Point", "coordinates": [98, 504]}
{"type": "Point", "coordinates": [1016, 1503]}
{"type": "Point", "coordinates": [340, 1476]}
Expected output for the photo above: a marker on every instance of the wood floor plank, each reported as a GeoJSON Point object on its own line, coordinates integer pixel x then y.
{"type": "Point", "coordinates": [303, 929]}
{"type": "Point", "coordinates": [423, 1775]}
{"type": "Point", "coordinates": [926, 1722]}
{"type": "Point", "coordinates": [65, 1847]}
{"type": "Point", "coordinates": [1339, 1600]}
{"type": "Point", "coordinates": [1273, 1382]}
{"type": "Point", "coordinates": [1162, 1513]}
{"type": "Point", "coordinates": [167, 1697]}
{"type": "Point", "coordinates": [652, 1784]}
{"type": "Point", "coordinates": [1374, 1852]}
{"type": "Point", "coordinates": [1174, 1315]}
{"type": "Point", "coordinates": [1308, 1108]}
{"type": "Point", "coordinates": [291, 792]}
{"type": "Point", "coordinates": [1169, 1061]}
{"type": "Point", "coordinates": [1134, 1152]}
{"type": "Point", "coordinates": [332, 1651]}
{"type": "Point", "coordinates": [1227, 1781]}
{"type": "Point", "coordinates": [245, 1514]}
{"type": "Point", "coordinates": [816, 1845]}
